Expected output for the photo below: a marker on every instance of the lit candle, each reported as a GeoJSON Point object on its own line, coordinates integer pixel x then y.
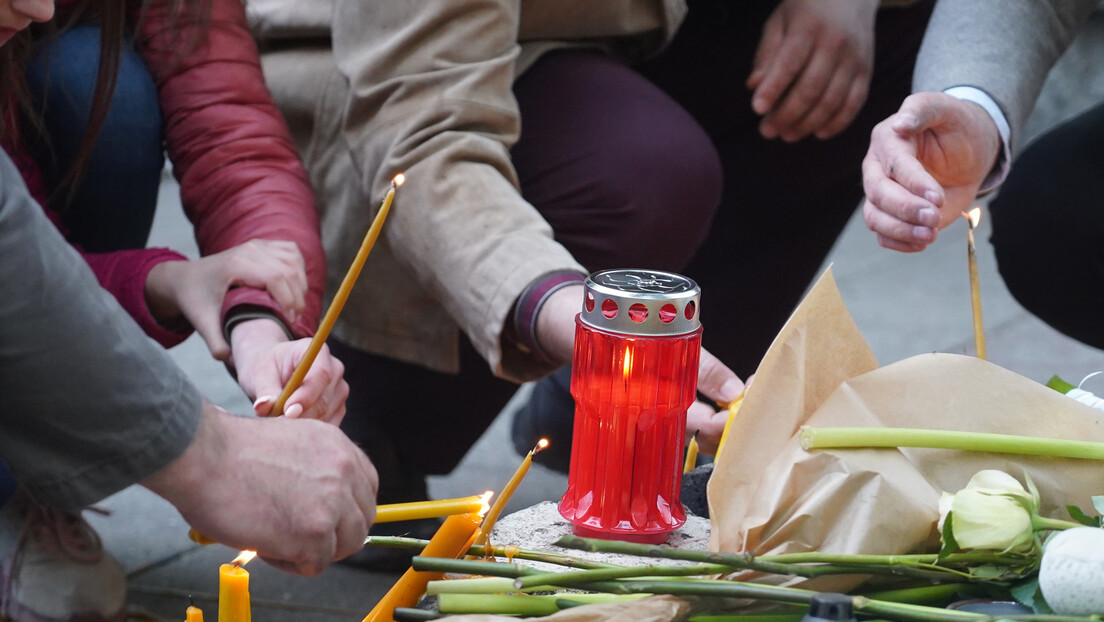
{"type": "Point", "coordinates": [733, 407]}
{"type": "Point", "coordinates": [973, 217]}
{"type": "Point", "coordinates": [507, 492]}
{"type": "Point", "coordinates": [339, 299]}
{"type": "Point", "coordinates": [234, 590]}
{"type": "Point", "coordinates": [452, 540]}
{"type": "Point", "coordinates": [430, 509]}
{"type": "Point", "coordinates": [691, 454]}
{"type": "Point", "coordinates": [194, 614]}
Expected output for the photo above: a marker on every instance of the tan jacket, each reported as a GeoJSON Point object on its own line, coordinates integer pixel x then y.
{"type": "Point", "coordinates": [425, 88]}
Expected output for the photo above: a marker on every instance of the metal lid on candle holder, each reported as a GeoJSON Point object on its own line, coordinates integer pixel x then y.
{"type": "Point", "coordinates": [641, 302]}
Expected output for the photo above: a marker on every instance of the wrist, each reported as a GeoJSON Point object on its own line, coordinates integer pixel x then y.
{"type": "Point", "coordinates": [197, 466]}
{"type": "Point", "coordinates": [555, 323]}
{"type": "Point", "coordinates": [250, 335]}
{"type": "Point", "coordinates": [161, 296]}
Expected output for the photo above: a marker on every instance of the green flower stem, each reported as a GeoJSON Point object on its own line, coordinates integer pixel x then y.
{"type": "Point", "coordinates": [924, 594]}
{"type": "Point", "coordinates": [470, 566]}
{"type": "Point", "coordinates": [772, 616]}
{"type": "Point", "coordinates": [603, 574]}
{"type": "Point", "coordinates": [410, 614]}
{"type": "Point", "coordinates": [509, 552]}
{"type": "Point", "coordinates": [1042, 523]}
{"type": "Point", "coordinates": [540, 605]}
{"type": "Point", "coordinates": [918, 566]}
{"type": "Point", "coordinates": [857, 438]}
{"type": "Point", "coordinates": [482, 585]}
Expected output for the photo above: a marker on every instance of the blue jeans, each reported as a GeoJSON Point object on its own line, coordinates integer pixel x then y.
{"type": "Point", "coordinates": [113, 205]}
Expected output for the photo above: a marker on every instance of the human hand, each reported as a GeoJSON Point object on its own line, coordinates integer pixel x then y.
{"type": "Point", "coordinates": [194, 290]}
{"type": "Point", "coordinates": [813, 66]}
{"type": "Point", "coordinates": [721, 385]}
{"type": "Point", "coordinates": [298, 492]}
{"type": "Point", "coordinates": [556, 323]}
{"type": "Point", "coordinates": [265, 360]}
{"type": "Point", "coordinates": [924, 167]}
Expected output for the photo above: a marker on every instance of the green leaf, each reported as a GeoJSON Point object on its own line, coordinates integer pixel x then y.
{"type": "Point", "coordinates": [1060, 385]}
{"type": "Point", "coordinates": [1080, 516]}
{"type": "Point", "coordinates": [1098, 503]}
{"type": "Point", "coordinates": [1033, 489]}
{"type": "Point", "coordinates": [949, 544]}
{"type": "Point", "coordinates": [1028, 594]}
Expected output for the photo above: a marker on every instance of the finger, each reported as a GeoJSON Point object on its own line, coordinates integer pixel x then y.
{"type": "Point", "coordinates": [806, 95]}
{"type": "Point", "coordinates": [853, 103]}
{"type": "Point", "coordinates": [716, 381]}
{"type": "Point", "coordinates": [262, 406]}
{"type": "Point", "coordinates": [886, 194]}
{"type": "Point", "coordinates": [896, 245]}
{"type": "Point", "coordinates": [888, 227]}
{"type": "Point", "coordinates": [773, 32]}
{"type": "Point", "coordinates": [350, 533]}
{"type": "Point", "coordinates": [209, 327]}
{"type": "Point", "coordinates": [784, 68]}
{"type": "Point", "coordinates": [709, 423]}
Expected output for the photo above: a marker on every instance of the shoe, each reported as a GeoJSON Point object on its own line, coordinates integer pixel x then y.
{"type": "Point", "coordinates": [550, 414]}
{"type": "Point", "coordinates": [54, 568]}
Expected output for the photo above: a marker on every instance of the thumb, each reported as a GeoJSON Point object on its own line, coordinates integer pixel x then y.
{"type": "Point", "coordinates": [716, 381]}
{"type": "Point", "coordinates": [210, 328]}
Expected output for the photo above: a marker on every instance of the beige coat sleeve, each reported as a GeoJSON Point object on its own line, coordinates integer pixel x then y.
{"type": "Point", "coordinates": [430, 95]}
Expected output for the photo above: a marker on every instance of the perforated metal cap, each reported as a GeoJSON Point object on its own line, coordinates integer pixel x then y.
{"type": "Point", "coordinates": [641, 302]}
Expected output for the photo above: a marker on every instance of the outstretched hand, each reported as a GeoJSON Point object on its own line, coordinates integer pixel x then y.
{"type": "Point", "coordinates": [721, 385]}
{"type": "Point", "coordinates": [813, 67]}
{"type": "Point", "coordinates": [924, 167]}
{"type": "Point", "coordinates": [194, 290]}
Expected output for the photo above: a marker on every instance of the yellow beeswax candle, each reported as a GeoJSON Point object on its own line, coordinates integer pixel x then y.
{"type": "Point", "coordinates": [327, 323]}
{"type": "Point", "coordinates": [414, 510]}
{"type": "Point", "coordinates": [233, 594]}
{"type": "Point", "coordinates": [973, 217]}
{"type": "Point", "coordinates": [194, 614]}
{"type": "Point", "coordinates": [452, 540]}
{"type": "Point", "coordinates": [507, 492]}
{"type": "Point", "coordinates": [733, 408]}
{"type": "Point", "coordinates": [692, 454]}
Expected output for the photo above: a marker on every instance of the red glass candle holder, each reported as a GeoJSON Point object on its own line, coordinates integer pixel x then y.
{"type": "Point", "coordinates": [635, 372]}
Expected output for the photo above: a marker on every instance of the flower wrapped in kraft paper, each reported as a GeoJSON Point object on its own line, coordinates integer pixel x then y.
{"type": "Point", "coordinates": [767, 495]}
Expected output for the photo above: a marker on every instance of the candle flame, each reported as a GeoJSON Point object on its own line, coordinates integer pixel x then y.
{"type": "Point", "coordinates": [398, 180]}
{"type": "Point", "coordinates": [973, 217]}
{"type": "Point", "coordinates": [627, 363]}
{"type": "Point", "coordinates": [244, 558]}
{"type": "Point", "coordinates": [485, 498]}
{"type": "Point", "coordinates": [541, 444]}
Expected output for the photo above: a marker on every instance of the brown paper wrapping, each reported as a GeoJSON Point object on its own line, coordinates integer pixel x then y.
{"type": "Point", "coordinates": [769, 496]}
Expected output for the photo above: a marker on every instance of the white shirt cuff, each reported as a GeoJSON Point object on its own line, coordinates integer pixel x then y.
{"type": "Point", "coordinates": [1004, 160]}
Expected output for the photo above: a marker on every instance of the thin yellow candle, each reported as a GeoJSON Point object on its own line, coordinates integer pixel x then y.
{"type": "Point", "coordinates": [691, 454]}
{"type": "Point", "coordinates": [733, 408]}
{"type": "Point", "coordinates": [973, 217]}
{"type": "Point", "coordinates": [234, 590]}
{"type": "Point", "coordinates": [193, 614]}
{"type": "Point", "coordinates": [429, 509]}
{"type": "Point", "coordinates": [339, 299]}
{"type": "Point", "coordinates": [452, 540]}
{"type": "Point", "coordinates": [507, 492]}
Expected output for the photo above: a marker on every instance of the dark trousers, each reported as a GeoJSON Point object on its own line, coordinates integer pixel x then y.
{"type": "Point", "coordinates": [1048, 225]}
{"type": "Point", "coordinates": [658, 166]}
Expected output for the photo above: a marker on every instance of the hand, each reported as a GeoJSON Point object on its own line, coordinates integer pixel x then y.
{"type": "Point", "coordinates": [924, 167]}
{"type": "Point", "coordinates": [556, 323]}
{"type": "Point", "coordinates": [721, 385]}
{"type": "Point", "coordinates": [194, 290]}
{"type": "Point", "coordinates": [265, 360]}
{"type": "Point", "coordinates": [298, 492]}
{"type": "Point", "coordinates": [813, 66]}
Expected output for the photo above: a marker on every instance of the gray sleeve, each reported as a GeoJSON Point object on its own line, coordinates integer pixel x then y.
{"type": "Point", "coordinates": [90, 404]}
{"type": "Point", "coordinates": [1003, 47]}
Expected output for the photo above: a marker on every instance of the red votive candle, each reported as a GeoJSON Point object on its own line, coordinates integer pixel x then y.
{"type": "Point", "coordinates": [634, 375]}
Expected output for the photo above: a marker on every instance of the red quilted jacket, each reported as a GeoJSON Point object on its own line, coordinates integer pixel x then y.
{"type": "Point", "coordinates": [239, 174]}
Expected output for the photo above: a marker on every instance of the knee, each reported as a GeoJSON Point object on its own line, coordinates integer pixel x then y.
{"type": "Point", "coordinates": [662, 191]}
{"type": "Point", "coordinates": [62, 77]}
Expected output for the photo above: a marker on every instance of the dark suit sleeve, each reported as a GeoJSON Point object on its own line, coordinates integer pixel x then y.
{"type": "Point", "coordinates": [90, 404]}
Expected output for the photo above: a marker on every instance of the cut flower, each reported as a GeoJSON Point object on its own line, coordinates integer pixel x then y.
{"type": "Point", "coordinates": [994, 512]}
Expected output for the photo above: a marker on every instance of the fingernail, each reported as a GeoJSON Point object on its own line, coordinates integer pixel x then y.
{"type": "Point", "coordinates": [730, 390]}
{"type": "Point", "coordinates": [929, 217]}
{"type": "Point", "coordinates": [261, 400]}
{"type": "Point", "coordinates": [923, 234]}
{"type": "Point", "coordinates": [934, 196]}
{"type": "Point", "coordinates": [294, 411]}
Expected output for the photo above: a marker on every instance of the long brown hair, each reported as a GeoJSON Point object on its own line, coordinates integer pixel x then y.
{"type": "Point", "coordinates": [16, 104]}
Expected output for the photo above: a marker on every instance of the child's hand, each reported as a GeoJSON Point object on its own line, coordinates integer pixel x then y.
{"type": "Point", "coordinates": [194, 290]}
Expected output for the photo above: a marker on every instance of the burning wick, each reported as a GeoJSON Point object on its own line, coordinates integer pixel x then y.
{"type": "Point", "coordinates": [234, 589]}
{"type": "Point", "coordinates": [244, 558]}
{"type": "Point", "coordinates": [972, 218]}
{"type": "Point", "coordinates": [508, 490]}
